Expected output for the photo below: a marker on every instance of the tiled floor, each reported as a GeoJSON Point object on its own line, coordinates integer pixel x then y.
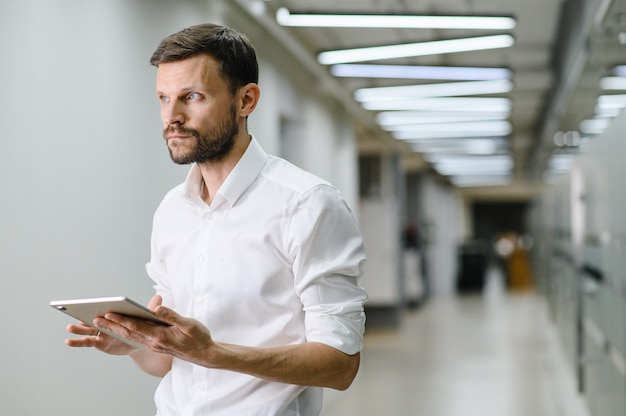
{"type": "Point", "coordinates": [490, 354]}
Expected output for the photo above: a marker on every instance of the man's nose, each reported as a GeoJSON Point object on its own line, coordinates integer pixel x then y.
{"type": "Point", "coordinates": [172, 114]}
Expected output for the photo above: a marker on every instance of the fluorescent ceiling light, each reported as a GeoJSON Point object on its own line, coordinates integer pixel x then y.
{"type": "Point", "coordinates": [474, 129]}
{"type": "Point", "coordinates": [463, 146]}
{"type": "Point", "coordinates": [479, 170]}
{"type": "Point", "coordinates": [619, 71]}
{"type": "Point", "coordinates": [415, 49]}
{"type": "Point", "coordinates": [561, 162]}
{"type": "Point", "coordinates": [470, 149]}
{"type": "Point", "coordinates": [501, 142]}
{"type": "Point", "coordinates": [485, 180]}
{"type": "Point", "coordinates": [468, 165]}
{"type": "Point", "coordinates": [483, 170]}
{"type": "Point", "coordinates": [606, 112]}
{"type": "Point", "coordinates": [416, 135]}
{"type": "Point", "coordinates": [466, 170]}
{"type": "Point", "coordinates": [286, 18]}
{"type": "Point", "coordinates": [419, 72]}
{"type": "Point", "coordinates": [613, 83]}
{"type": "Point", "coordinates": [615, 101]}
{"type": "Point", "coordinates": [469, 104]}
{"type": "Point", "coordinates": [593, 126]}
{"type": "Point", "coordinates": [390, 118]}
{"type": "Point", "coordinates": [444, 89]}
{"type": "Point", "coordinates": [469, 161]}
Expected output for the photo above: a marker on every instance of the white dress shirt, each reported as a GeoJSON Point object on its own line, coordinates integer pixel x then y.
{"type": "Point", "coordinates": [274, 260]}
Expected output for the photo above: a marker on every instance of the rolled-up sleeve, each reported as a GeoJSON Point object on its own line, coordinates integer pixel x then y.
{"type": "Point", "coordinates": [328, 254]}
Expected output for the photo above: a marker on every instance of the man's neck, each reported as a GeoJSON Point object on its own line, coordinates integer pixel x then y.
{"type": "Point", "coordinates": [215, 173]}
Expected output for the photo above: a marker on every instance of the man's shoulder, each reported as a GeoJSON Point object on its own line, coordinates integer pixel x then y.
{"type": "Point", "coordinates": [173, 199]}
{"type": "Point", "coordinates": [176, 191]}
{"type": "Point", "coordinates": [290, 176]}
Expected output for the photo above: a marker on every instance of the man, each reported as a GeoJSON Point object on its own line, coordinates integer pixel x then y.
{"type": "Point", "coordinates": [255, 262]}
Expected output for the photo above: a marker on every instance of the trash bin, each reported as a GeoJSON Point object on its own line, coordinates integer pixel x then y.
{"type": "Point", "coordinates": [472, 266]}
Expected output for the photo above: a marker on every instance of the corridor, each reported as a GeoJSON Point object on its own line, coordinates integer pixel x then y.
{"type": "Point", "coordinates": [489, 354]}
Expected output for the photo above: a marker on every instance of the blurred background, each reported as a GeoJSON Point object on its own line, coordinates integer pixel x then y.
{"type": "Point", "coordinates": [479, 143]}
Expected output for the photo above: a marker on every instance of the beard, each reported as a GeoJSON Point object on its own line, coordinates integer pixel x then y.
{"type": "Point", "coordinates": [209, 148]}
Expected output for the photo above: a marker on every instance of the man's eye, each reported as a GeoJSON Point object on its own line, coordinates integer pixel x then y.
{"type": "Point", "coordinates": [163, 99]}
{"type": "Point", "coordinates": [193, 96]}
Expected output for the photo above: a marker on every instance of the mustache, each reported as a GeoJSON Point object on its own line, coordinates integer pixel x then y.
{"type": "Point", "coordinates": [179, 130]}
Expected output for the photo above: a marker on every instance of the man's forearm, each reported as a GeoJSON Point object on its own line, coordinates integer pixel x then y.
{"type": "Point", "coordinates": [308, 364]}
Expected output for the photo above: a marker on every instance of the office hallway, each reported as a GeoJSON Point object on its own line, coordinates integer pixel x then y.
{"type": "Point", "coordinates": [489, 354]}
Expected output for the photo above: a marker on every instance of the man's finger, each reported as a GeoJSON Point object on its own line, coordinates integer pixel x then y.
{"type": "Point", "coordinates": [169, 315]}
{"type": "Point", "coordinates": [154, 302]}
{"type": "Point", "coordinates": [81, 329]}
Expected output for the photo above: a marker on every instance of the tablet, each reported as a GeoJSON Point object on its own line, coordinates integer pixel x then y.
{"type": "Point", "coordinates": [86, 310]}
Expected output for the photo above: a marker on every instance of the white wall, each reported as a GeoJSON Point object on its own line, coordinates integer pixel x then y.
{"type": "Point", "coordinates": [381, 228]}
{"type": "Point", "coordinates": [442, 209]}
{"type": "Point", "coordinates": [379, 225]}
{"type": "Point", "coordinates": [82, 168]}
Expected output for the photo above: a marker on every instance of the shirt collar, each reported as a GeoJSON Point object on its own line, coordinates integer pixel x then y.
{"type": "Point", "coordinates": [238, 181]}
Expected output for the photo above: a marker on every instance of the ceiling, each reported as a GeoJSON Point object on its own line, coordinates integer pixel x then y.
{"type": "Point", "coordinates": [554, 87]}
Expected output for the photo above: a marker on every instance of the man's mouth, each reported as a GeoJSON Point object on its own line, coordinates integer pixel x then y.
{"type": "Point", "coordinates": [176, 134]}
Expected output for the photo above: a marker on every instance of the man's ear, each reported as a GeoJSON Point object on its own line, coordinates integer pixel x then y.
{"type": "Point", "coordinates": [249, 96]}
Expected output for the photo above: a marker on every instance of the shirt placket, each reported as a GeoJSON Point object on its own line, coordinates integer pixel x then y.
{"type": "Point", "coordinates": [201, 280]}
{"type": "Point", "coordinates": [202, 289]}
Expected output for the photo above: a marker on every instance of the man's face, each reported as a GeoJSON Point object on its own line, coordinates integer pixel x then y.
{"type": "Point", "coordinates": [197, 110]}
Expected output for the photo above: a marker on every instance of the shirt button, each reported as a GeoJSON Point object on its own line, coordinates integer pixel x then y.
{"type": "Point", "coordinates": [201, 302]}
{"type": "Point", "coordinates": [208, 216]}
{"type": "Point", "coordinates": [200, 387]}
{"type": "Point", "coordinates": [203, 258]}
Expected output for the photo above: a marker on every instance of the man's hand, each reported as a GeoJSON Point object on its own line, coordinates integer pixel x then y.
{"type": "Point", "coordinates": [101, 341]}
{"type": "Point", "coordinates": [96, 339]}
{"type": "Point", "coordinates": [185, 338]}
{"type": "Point", "coordinates": [149, 361]}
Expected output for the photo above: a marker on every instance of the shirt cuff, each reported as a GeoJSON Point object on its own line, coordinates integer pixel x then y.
{"type": "Point", "coordinates": [344, 333]}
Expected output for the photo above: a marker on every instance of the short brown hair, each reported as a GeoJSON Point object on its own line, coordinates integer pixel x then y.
{"type": "Point", "coordinates": [232, 50]}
